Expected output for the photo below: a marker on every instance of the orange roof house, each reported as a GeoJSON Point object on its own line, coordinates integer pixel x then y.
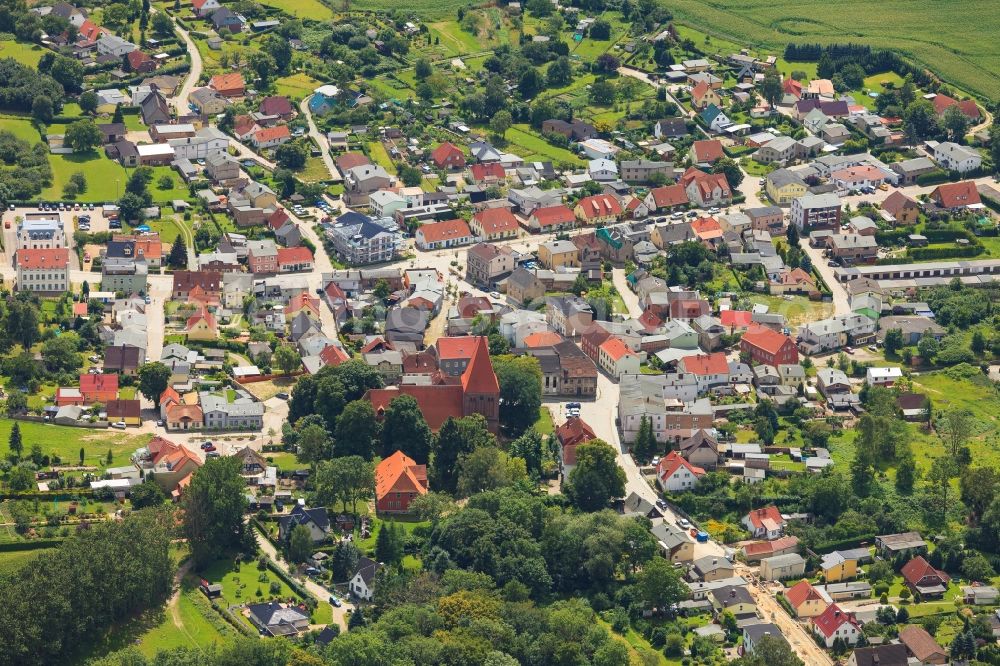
{"type": "Point", "coordinates": [667, 197]}
{"type": "Point", "coordinates": [767, 346]}
{"type": "Point", "coordinates": [202, 325]}
{"type": "Point", "coordinates": [968, 107]}
{"type": "Point", "coordinates": [805, 599]}
{"type": "Point", "coordinates": [494, 224]}
{"type": "Point", "coordinates": [708, 230]}
{"type": "Point", "coordinates": [447, 233]}
{"type": "Point", "coordinates": [171, 465]}
{"type": "Point", "coordinates": [707, 151]}
{"type": "Point", "coordinates": [487, 173]}
{"type": "Point", "coordinates": [571, 434]}
{"type": "Point", "coordinates": [542, 339]}
{"type": "Point", "coordinates": [398, 481]}
{"type": "Point", "coordinates": [448, 156]}
{"type": "Point", "coordinates": [333, 355]}
{"type": "Point", "coordinates": [303, 301]}
{"type": "Point", "coordinates": [228, 85]}
{"type": "Point", "coordinates": [674, 473]}
{"type": "Point", "coordinates": [99, 388]}
{"type": "Point", "coordinates": [598, 208]}
{"type": "Point", "coordinates": [948, 195]}
{"type": "Point", "coordinates": [765, 522]}
{"type": "Point", "coordinates": [552, 217]}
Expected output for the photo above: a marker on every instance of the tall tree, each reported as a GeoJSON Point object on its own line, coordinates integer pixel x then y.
{"type": "Point", "coordinates": [214, 503]}
{"type": "Point", "coordinates": [357, 430]}
{"type": "Point", "coordinates": [312, 443]}
{"type": "Point", "coordinates": [153, 380]}
{"type": "Point", "coordinates": [659, 584]}
{"type": "Point", "coordinates": [456, 438]}
{"type": "Point", "coordinates": [287, 359]}
{"type": "Point", "coordinates": [520, 379]}
{"type": "Point", "coordinates": [178, 253]}
{"type": "Point", "coordinates": [645, 440]}
{"type": "Point", "coordinates": [299, 544]}
{"type": "Point", "coordinates": [404, 429]}
{"type": "Point", "coordinates": [596, 479]}
{"type": "Point", "coordinates": [956, 427]}
{"type": "Point", "coordinates": [389, 543]}
{"type": "Point", "coordinates": [350, 479]}
{"type": "Point", "coordinates": [488, 468]}
{"type": "Point", "coordinates": [15, 441]}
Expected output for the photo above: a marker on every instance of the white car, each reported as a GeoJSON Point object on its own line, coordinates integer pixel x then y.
{"type": "Point", "coordinates": [684, 523]}
{"type": "Point", "coordinates": [496, 295]}
{"type": "Point", "coordinates": [118, 424]}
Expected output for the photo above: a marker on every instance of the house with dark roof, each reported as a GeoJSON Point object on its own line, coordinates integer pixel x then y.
{"type": "Point", "coordinates": [123, 359]}
{"type": "Point", "coordinates": [154, 109]}
{"type": "Point", "coordinates": [890, 654]}
{"type": "Point", "coordinates": [316, 520]}
{"type": "Point", "coordinates": [277, 619]}
{"type": "Point", "coordinates": [924, 581]}
{"type": "Point", "coordinates": [362, 583]}
{"type": "Point", "coordinates": [921, 645]}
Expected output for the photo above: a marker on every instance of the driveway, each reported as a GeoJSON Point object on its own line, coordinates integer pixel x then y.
{"type": "Point", "coordinates": [320, 140]}
{"type": "Point", "coordinates": [841, 306]}
{"type": "Point", "coordinates": [180, 100]}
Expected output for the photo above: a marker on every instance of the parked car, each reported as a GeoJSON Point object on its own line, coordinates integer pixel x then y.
{"type": "Point", "coordinates": [336, 601]}
{"type": "Point", "coordinates": [118, 424]}
{"type": "Point", "coordinates": [207, 446]}
{"type": "Point", "coordinates": [212, 454]}
{"type": "Point", "coordinates": [684, 523]}
{"type": "Point", "coordinates": [281, 396]}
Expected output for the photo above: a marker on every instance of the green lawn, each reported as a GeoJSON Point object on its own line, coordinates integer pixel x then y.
{"type": "Point", "coordinates": [284, 460]}
{"type": "Point", "coordinates": [296, 86]}
{"type": "Point", "coordinates": [189, 627]}
{"type": "Point", "coordinates": [241, 585]}
{"type": "Point", "coordinates": [170, 227]}
{"type": "Point", "coordinates": [378, 155]}
{"type": "Point", "coordinates": [544, 423]}
{"type": "Point", "coordinates": [453, 40]}
{"type": "Point", "coordinates": [177, 190]}
{"type": "Point", "coordinates": [66, 442]}
{"type": "Point", "coordinates": [105, 179]}
{"type": "Point", "coordinates": [367, 546]}
{"type": "Point", "coordinates": [10, 561]}
{"type": "Point", "coordinates": [954, 39]}
{"type": "Point", "coordinates": [797, 309]}
{"type": "Point", "coordinates": [875, 81]}
{"type": "Point", "coordinates": [315, 171]}
{"type": "Point", "coordinates": [26, 54]}
{"type": "Point", "coordinates": [21, 127]}
{"type": "Point", "coordinates": [533, 147]}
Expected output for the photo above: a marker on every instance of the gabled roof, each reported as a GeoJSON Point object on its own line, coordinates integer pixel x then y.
{"type": "Point", "coordinates": [673, 462]}
{"type": "Point", "coordinates": [921, 644]}
{"type": "Point", "coordinates": [669, 196]}
{"type": "Point", "coordinates": [276, 105]}
{"type": "Point", "coordinates": [446, 151]}
{"type": "Point", "coordinates": [708, 151]}
{"type": "Point", "coordinates": [832, 619]}
{"type": "Point", "coordinates": [706, 364]}
{"type": "Point", "coordinates": [231, 81]}
{"type": "Point", "coordinates": [43, 258]}
{"type": "Point", "coordinates": [89, 382]}
{"type": "Point", "coordinates": [599, 205]}
{"type": "Point", "coordinates": [119, 409]}
{"type": "Point", "coordinates": [400, 474]}
{"type": "Point", "coordinates": [802, 592]}
{"type": "Point", "coordinates": [956, 195]}
{"type": "Point", "coordinates": [766, 339]}
{"type": "Point", "coordinates": [616, 349]}
{"type": "Point", "coordinates": [918, 568]}
{"type": "Point", "coordinates": [437, 232]}
{"type": "Point", "coordinates": [479, 376]}
{"type": "Point", "coordinates": [770, 514]}
{"type": "Point", "coordinates": [496, 220]}
{"type": "Point", "coordinates": [551, 215]}
{"type": "Point", "coordinates": [271, 133]}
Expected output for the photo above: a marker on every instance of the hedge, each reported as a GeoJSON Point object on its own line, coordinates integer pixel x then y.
{"type": "Point", "coordinates": [292, 583]}
{"type": "Point", "coordinates": [17, 546]}
{"type": "Point", "coordinates": [240, 626]}
{"type": "Point", "coordinates": [785, 604]}
{"type": "Point", "coordinates": [67, 495]}
{"type": "Point", "coordinates": [850, 542]}
{"type": "Point", "coordinates": [926, 253]}
{"type": "Point", "coordinates": [935, 177]}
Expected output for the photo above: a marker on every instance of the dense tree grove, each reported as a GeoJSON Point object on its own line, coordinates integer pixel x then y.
{"type": "Point", "coordinates": [104, 574]}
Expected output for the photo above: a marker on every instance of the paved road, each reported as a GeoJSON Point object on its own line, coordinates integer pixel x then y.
{"type": "Point", "coordinates": [841, 306]}
{"type": "Point", "coordinates": [180, 100]}
{"type": "Point", "coordinates": [320, 140]}
{"type": "Point", "coordinates": [321, 594]}
{"type": "Point", "coordinates": [630, 297]}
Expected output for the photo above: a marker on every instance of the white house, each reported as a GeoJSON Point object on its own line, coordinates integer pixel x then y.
{"type": "Point", "coordinates": [362, 584]}
{"type": "Point", "coordinates": [616, 359]}
{"type": "Point", "coordinates": [958, 158]}
{"type": "Point", "coordinates": [834, 623]}
{"type": "Point", "coordinates": [883, 376]}
{"type": "Point", "coordinates": [675, 474]}
{"type": "Point", "coordinates": [598, 149]}
{"type": "Point", "coordinates": [765, 523]}
{"type": "Point", "coordinates": [602, 169]}
{"type": "Point", "coordinates": [206, 141]}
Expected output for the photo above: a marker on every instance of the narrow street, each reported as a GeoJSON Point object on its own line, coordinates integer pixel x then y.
{"type": "Point", "coordinates": [180, 100]}
{"type": "Point", "coordinates": [321, 594]}
{"type": "Point", "coordinates": [796, 634]}
{"type": "Point", "coordinates": [841, 306]}
{"type": "Point", "coordinates": [320, 140]}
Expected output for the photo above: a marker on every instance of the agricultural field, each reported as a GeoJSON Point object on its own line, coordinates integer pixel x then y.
{"type": "Point", "coordinates": [428, 10]}
{"type": "Point", "coordinates": [955, 39]}
{"type": "Point", "coordinates": [303, 9]}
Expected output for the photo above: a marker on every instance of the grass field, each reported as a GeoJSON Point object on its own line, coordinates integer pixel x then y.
{"type": "Point", "coordinates": [66, 442]}
{"type": "Point", "coordinates": [105, 179]}
{"type": "Point", "coordinates": [378, 155]}
{"type": "Point", "coordinates": [188, 627]}
{"type": "Point", "coordinates": [26, 54]}
{"type": "Point", "coordinates": [953, 39]}
{"type": "Point", "coordinates": [797, 310]}
{"type": "Point", "coordinates": [296, 86]}
{"type": "Point", "coordinates": [314, 171]}
{"type": "Point", "coordinates": [304, 9]}
{"type": "Point", "coordinates": [453, 40]}
{"type": "Point", "coordinates": [535, 147]}
{"type": "Point", "coordinates": [429, 10]}
{"type": "Point", "coordinates": [177, 191]}
{"type": "Point", "coordinates": [21, 127]}
{"type": "Point", "coordinates": [13, 560]}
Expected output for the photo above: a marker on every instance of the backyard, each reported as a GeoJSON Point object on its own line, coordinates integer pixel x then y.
{"type": "Point", "coordinates": [66, 442]}
{"type": "Point", "coordinates": [105, 178]}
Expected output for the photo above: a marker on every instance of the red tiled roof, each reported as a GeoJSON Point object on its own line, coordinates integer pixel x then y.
{"type": "Point", "coordinates": [942, 103]}
{"type": "Point", "coordinates": [771, 513]}
{"type": "Point", "coordinates": [117, 409]}
{"type": "Point", "coordinates": [766, 339]}
{"type": "Point", "coordinates": [955, 195]}
{"type": "Point", "coordinates": [650, 320]}
{"type": "Point", "coordinates": [436, 232]}
{"type": "Point", "coordinates": [90, 383]}
{"type": "Point", "coordinates": [91, 31]}
{"type": "Point", "coordinates": [917, 568]}
{"type": "Point", "coordinates": [294, 255]}
{"type": "Point", "coordinates": [706, 228]}
{"type": "Point", "coordinates": [243, 125]}
{"type": "Point", "coordinates": [177, 412]}
{"type": "Point", "coordinates": [699, 90]}
{"type": "Point", "coordinates": [333, 355]}
{"type": "Point", "coordinates": [708, 150]}
{"type": "Point", "coordinates": [445, 151]}
{"type": "Point", "coordinates": [351, 160]}
{"type": "Point", "coordinates": [674, 461]}
{"type": "Point", "coordinates": [792, 87]}
{"type": "Point", "coordinates": [542, 339]}
{"type": "Point", "coordinates": [479, 376]}
{"type": "Point", "coordinates": [276, 106]}
{"type": "Point", "coordinates": [615, 348]}
{"type": "Point", "coordinates": [271, 133]}
{"type": "Point", "coordinates": [921, 644]}
{"type": "Point", "coordinates": [766, 548]}
{"type": "Point", "coordinates": [277, 219]}
{"type": "Point", "coordinates": [137, 58]}
{"type": "Point", "coordinates": [456, 348]}
{"type": "Point", "coordinates": [168, 395]}
{"type": "Point", "coordinates": [437, 402]}
{"type": "Point", "coordinates": [706, 364]}
{"type": "Point", "coordinates": [669, 196]}
{"type": "Point", "coordinates": [897, 202]}
{"type": "Point", "coordinates": [706, 181]}
{"type": "Point", "coordinates": [198, 316]}
{"type": "Point", "coordinates": [496, 220]}
{"type": "Point", "coordinates": [574, 431]}
{"type": "Point", "coordinates": [491, 170]}
{"type": "Point", "coordinates": [46, 258]}
{"type": "Point", "coordinates": [600, 205]}
{"type": "Point", "coordinates": [551, 215]}
{"type": "Point", "coordinates": [737, 318]}
{"type": "Point", "coordinates": [802, 592]}
{"type": "Point", "coordinates": [832, 619]}
{"type": "Point", "coordinates": [796, 276]}
{"type": "Point", "coordinates": [858, 174]}
{"type": "Point", "coordinates": [231, 81]}
{"type": "Point", "coordinates": [400, 474]}
{"type": "Point", "coordinates": [302, 300]}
